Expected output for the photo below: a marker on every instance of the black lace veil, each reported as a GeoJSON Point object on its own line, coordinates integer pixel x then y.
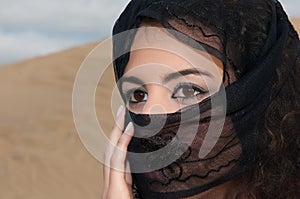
{"type": "Point", "coordinates": [225, 29]}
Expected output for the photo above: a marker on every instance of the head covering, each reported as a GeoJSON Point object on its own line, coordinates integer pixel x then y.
{"type": "Point", "coordinates": [252, 38]}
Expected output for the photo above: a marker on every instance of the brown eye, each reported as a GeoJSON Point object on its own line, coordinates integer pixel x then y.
{"type": "Point", "coordinates": [188, 92]}
{"type": "Point", "coordinates": [138, 96]}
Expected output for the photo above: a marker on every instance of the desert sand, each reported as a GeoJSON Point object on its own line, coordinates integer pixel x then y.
{"type": "Point", "coordinates": [41, 155]}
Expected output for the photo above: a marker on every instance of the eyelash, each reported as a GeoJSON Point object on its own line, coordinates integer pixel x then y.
{"type": "Point", "coordinates": [188, 85]}
{"type": "Point", "coordinates": [128, 94]}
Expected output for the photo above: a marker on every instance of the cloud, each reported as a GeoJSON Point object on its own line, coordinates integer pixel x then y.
{"type": "Point", "coordinates": [292, 7]}
{"type": "Point", "coordinates": [60, 17]}
{"type": "Point", "coordinates": [33, 27]}
{"type": "Point", "coordinates": [19, 46]}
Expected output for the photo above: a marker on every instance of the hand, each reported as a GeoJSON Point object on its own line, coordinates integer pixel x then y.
{"type": "Point", "coordinates": [117, 182]}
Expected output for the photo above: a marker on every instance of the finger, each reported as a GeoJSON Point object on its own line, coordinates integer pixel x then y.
{"type": "Point", "coordinates": [119, 156]}
{"type": "Point", "coordinates": [119, 123]}
{"type": "Point", "coordinates": [113, 140]}
{"type": "Point", "coordinates": [115, 135]}
{"type": "Point", "coordinates": [128, 176]}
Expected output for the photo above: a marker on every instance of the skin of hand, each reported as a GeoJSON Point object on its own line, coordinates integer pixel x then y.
{"type": "Point", "coordinates": [118, 182]}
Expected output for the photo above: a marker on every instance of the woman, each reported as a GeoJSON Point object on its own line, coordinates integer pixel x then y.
{"type": "Point", "coordinates": [176, 75]}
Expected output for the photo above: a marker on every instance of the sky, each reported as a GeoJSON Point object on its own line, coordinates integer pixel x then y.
{"type": "Point", "coordinates": [30, 28]}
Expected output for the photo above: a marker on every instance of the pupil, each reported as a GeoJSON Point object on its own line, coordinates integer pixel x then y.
{"type": "Point", "coordinates": [188, 91]}
{"type": "Point", "coordinates": [139, 95]}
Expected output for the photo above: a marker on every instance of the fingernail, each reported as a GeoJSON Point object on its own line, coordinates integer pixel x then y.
{"type": "Point", "coordinates": [128, 128]}
{"type": "Point", "coordinates": [119, 110]}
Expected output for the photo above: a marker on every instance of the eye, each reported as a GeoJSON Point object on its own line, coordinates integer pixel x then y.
{"type": "Point", "coordinates": [138, 96]}
{"type": "Point", "coordinates": [187, 90]}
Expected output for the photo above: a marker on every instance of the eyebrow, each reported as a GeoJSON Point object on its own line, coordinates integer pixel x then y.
{"type": "Point", "coordinates": [167, 77]}
{"type": "Point", "coordinates": [190, 71]}
{"type": "Point", "coordinates": [131, 79]}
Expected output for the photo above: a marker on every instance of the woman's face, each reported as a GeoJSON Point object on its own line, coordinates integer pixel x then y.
{"type": "Point", "coordinates": [164, 75]}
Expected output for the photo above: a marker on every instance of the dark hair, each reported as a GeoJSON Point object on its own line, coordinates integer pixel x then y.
{"type": "Point", "coordinates": [277, 162]}
{"type": "Point", "coordinates": [277, 175]}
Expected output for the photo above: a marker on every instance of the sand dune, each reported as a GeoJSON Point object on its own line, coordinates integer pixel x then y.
{"type": "Point", "coordinates": [41, 155]}
{"type": "Point", "coordinates": [296, 24]}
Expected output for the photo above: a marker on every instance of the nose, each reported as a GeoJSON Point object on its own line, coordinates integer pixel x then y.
{"type": "Point", "coordinates": [159, 100]}
{"type": "Point", "coordinates": [155, 108]}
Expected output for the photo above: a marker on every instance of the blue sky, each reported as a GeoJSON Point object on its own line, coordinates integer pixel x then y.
{"type": "Point", "coordinates": [36, 27]}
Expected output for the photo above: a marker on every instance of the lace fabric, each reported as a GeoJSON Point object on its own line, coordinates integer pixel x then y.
{"type": "Point", "coordinates": [254, 40]}
{"type": "Point", "coordinates": [189, 174]}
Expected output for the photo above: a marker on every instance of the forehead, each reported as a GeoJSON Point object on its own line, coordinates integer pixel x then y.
{"type": "Point", "coordinates": [155, 51]}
